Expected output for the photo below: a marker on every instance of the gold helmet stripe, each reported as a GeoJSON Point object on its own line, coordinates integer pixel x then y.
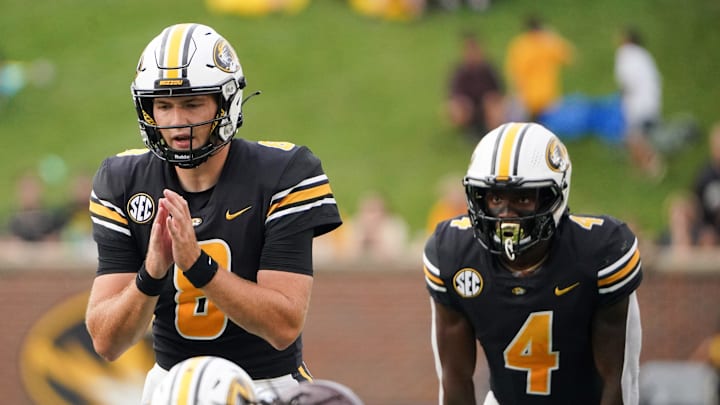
{"type": "Point", "coordinates": [505, 151]}
{"type": "Point", "coordinates": [175, 48]}
{"type": "Point", "coordinates": [186, 381]}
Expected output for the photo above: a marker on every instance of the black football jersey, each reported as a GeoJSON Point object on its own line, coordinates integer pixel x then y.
{"type": "Point", "coordinates": [535, 330]}
{"type": "Point", "coordinates": [266, 191]}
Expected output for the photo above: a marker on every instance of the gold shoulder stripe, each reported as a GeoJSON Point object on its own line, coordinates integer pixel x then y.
{"type": "Point", "coordinates": [299, 196]}
{"type": "Point", "coordinates": [620, 274]}
{"type": "Point", "coordinates": [105, 212]}
{"type": "Point", "coordinates": [133, 152]}
{"type": "Point", "coordinates": [435, 279]}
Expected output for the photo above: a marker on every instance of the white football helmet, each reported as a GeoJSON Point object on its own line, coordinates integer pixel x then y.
{"type": "Point", "coordinates": [319, 392]}
{"type": "Point", "coordinates": [518, 156]}
{"type": "Point", "coordinates": [205, 380]}
{"type": "Point", "coordinates": [189, 59]}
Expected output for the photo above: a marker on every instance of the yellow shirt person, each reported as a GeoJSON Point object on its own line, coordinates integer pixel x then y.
{"type": "Point", "coordinates": [533, 65]}
{"type": "Point", "coordinates": [256, 8]}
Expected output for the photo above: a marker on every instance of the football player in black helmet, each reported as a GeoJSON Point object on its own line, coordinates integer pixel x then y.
{"type": "Point", "coordinates": [207, 236]}
{"type": "Point", "coordinates": [550, 296]}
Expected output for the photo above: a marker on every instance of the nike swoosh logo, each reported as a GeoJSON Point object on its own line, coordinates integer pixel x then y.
{"type": "Point", "coordinates": [234, 215]}
{"type": "Point", "coordinates": [562, 291]}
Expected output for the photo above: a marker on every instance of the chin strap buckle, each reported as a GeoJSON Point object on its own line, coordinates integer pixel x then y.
{"type": "Point", "coordinates": [509, 249]}
{"type": "Point", "coordinates": [510, 234]}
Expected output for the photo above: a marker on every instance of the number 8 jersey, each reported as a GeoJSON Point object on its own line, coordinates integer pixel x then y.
{"type": "Point", "coordinates": [266, 191]}
{"type": "Point", "coordinates": [535, 330]}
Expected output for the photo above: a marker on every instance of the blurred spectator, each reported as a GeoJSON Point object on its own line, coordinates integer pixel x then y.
{"type": "Point", "coordinates": [32, 221]}
{"type": "Point", "coordinates": [256, 8]}
{"type": "Point", "coordinates": [377, 234]}
{"type": "Point", "coordinates": [708, 352]}
{"type": "Point", "coordinates": [333, 248]}
{"type": "Point", "coordinates": [450, 203]}
{"type": "Point", "coordinates": [707, 187]}
{"type": "Point", "coordinates": [452, 5]}
{"type": "Point", "coordinates": [534, 60]}
{"type": "Point", "coordinates": [475, 99]}
{"type": "Point", "coordinates": [683, 223]}
{"type": "Point", "coordinates": [396, 10]}
{"type": "Point", "coordinates": [694, 220]}
{"type": "Point", "coordinates": [640, 85]}
{"type": "Point", "coordinates": [16, 75]}
{"type": "Point", "coordinates": [12, 78]}
{"type": "Point", "coordinates": [77, 227]}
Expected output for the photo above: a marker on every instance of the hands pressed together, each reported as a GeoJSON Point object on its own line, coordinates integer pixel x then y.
{"type": "Point", "coordinates": [172, 238]}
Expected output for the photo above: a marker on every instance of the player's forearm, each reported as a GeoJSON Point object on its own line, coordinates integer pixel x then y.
{"type": "Point", "coordinates": [457, 392]}
{"type": "Point", "coordinates": [612, 394]}
{"type": "Point", "coordinates": [609, 340]}
{"type": "Point", "coordinates": [262, 311]}
{"type": "Point", "coordinates": [118, 322]}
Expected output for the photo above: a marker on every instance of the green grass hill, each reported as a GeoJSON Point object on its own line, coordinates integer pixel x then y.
{"type": "Point", "coordinates": [366, 95]}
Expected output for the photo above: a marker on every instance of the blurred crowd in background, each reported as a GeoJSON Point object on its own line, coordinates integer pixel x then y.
{"type": "Point", "coordinates": [393, 10]}
{"type": "Point", "coordinates": [481, 94]}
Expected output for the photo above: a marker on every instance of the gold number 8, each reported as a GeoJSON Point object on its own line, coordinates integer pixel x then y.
{"type": "Point", "coordinates": [196, 317]}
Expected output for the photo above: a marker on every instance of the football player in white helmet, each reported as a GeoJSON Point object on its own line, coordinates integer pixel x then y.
{"type": "Point", "coordinates": [205, 380]}
{"type": "Point", "coordinates": [187, 60]}
{"type": "Point", "coordinates": [203, 234]}
{"type": "Point", "coordinates": [550, 296]}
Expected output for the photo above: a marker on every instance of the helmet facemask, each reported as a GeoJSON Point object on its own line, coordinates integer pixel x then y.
{"type": "Point", "coordinates": [512, 236]}
{"type": "Point", "coordinates": [221, 132]}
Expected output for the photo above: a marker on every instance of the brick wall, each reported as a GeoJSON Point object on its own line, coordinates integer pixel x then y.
{"type": "Point", "coordinates": [370, 329]}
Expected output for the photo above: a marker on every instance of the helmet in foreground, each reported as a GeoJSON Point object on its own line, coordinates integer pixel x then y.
{"type": "Point", "coordinates": [205, 380]}
{"type": "Point", "coordinates": [320, 392]}
{"type": "Point", "coordinates": [511, 157]}
{"type": "Point", "coordinates": [189, 59]}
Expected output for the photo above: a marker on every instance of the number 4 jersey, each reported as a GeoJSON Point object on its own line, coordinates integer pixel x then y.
{"type": "Point", "coordinates": [266, 191]}
{"type": "Point", "coordinates": [535, 330]}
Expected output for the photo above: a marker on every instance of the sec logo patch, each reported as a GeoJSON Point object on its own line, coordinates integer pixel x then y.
{"type": "Point", "coordinates": [468, 282]}
{"type": "Point", "coordinates": [141, 208]}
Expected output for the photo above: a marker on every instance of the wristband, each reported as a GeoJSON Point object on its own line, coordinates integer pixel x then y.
{"type": "Point", "coordinates": [147, 284]}
{"type": "Point", "coordinates": [202, 271]}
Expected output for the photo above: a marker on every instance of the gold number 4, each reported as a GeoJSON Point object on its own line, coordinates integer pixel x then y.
{"type": "Point", "coordinates": [586, 222]}
{"type": "Point", "coordinates": [531, 351]}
